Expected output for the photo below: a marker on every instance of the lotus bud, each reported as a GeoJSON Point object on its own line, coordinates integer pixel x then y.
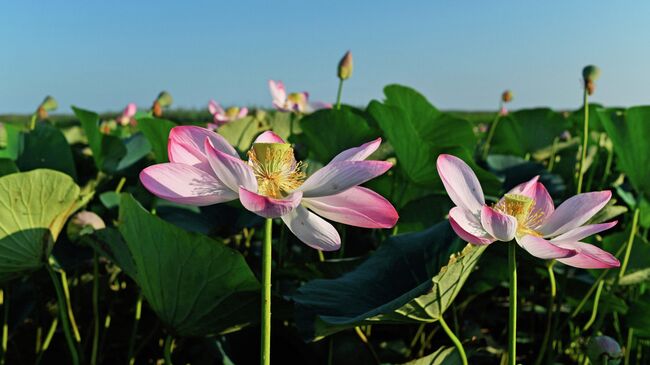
{"type": "Point", "coordinates": [84, 222]}
{"type": "Point", "coordinates": [590, 74]}
{"type": "Point", "coordinates": [507, 96]}
{"type": "Point", "coordinates": [345, 66]}
{"type": "Point", "coordinates": [164, 99]}
{"type": "Point", "coordinates": [602, 347]}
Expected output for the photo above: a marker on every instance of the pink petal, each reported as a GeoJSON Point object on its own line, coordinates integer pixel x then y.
{"type": "Point", "coordinates": [468, 227]}
{"type": "Point", "coordinates": [312, 230]}
{"type": "Point", "coordinates": [574, 212]}
{"type": "Point", "coordinates": [215, 108]}
{"type": "Point", "coordinates": [543, 249]}
{"type": "Point", "coordinates": [527, 188]}
{"type": "Point", "coordinates": [232, 171]}
{"type": "Point", "coordinates": [358, 153]}
{"type": "Point", "coordinates": [268, 137]}
{"type": "Point", "coordinates": [589, 257]}
{"type": "Point", "coordinates": [277, 92]}
{"type": "Point", "coordinates": [185, 184]}
{"type": "Point", "coordinates": [501, 226]}
{"type": "Point", "coordinates": [130, 110]}
{"type": "Point", "coordinates": [242, 112]}
{"type": "Point", "coordinates": [187, 144]}
{"type": "Point", "coordinates": [339, 176]}
{"type": "Point", "coordinates": [579, 233]}
{"type": "Point", "coordinates": [318, 105]}
{"type": "Point", "coordinates": [461, 183]}
{"type": "Point", "coordinates": [357, 206]}
{"type": "Point", "coordinates": [269, 207]}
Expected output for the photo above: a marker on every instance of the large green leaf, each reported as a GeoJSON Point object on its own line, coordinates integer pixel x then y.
{"type": "Point", "coordinates": [107, 150]}
{"type": "Point", "coordinates": [157, 133]}
{"type": "Point", "coordinates": [629, 130]}
{"type": "Point", "coordinates": [12, 141]}
{"type": "Point", "coordinates": [409, 279]}
{"type": "Point", "coordinates": [241, 132]}
{"type": "Point", "coordinates": [527, 131]}
{"type": "Point", "coordinates": [196, 285]}
{"type": "Point", "coordinates": [34, 208]}
{"type": "Point", "coordinates": [137, 147]}
{"type": "Point", "coordinates": [329, 131]}
{"type": "Point", "coordinates": [46, 147]}
{"type": "Point", "coordinates": [442, 356]}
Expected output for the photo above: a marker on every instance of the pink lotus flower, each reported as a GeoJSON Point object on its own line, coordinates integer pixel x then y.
{"type": "Point", "coordinates": [294, 102]}
{"type": "Point", "coordinates": [128, 115]}
{"type": "Point", "coordinates": [205, 169]}
{"type": "Point", "coordinates": [222, 116]}
{"type": "Point", "coordinates": [527, 214]}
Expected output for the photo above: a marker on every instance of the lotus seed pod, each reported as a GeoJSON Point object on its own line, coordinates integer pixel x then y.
{"type": "Point", "coordinates": [49, 103]}
{"type": "Point", "coordinates": [84, 222]}
{"type": "Point", "coordinates": [590, 73]}
{"type": "Point", "coordinates": [345, 66]}
{"type": "Point", "coordinates": [602, 347]}
{"type": "Point", "coordinates": [156, 109]}
{"type": "Point", "coordinates": [165, 99]}
{"type": "Point", "coordinates": [507, 96]}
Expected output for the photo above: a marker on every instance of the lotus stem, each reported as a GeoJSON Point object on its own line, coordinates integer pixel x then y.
{"type": "Point", "coordinates": [168, 349]}
{"type": "Point", "coordinates": [488, 139]}
{"type": "Point", "coordinates": [512, 322]}
{"type": "Point", "coordinates": [5, 323]}
{"type": "Point", "coordinates": [628, 346]}
{"type": "Point", "coordinates": [364, 339]}
{"type": "Point", "coordinates": [95, 348]}
{"type": "Point", "coordinates": [454, 339]}
{"type": "Point", "coordinates": [48, 340]}
{"type": "Point", "coordinates": [549, 313]}
{"type": "Point", "coordinates": [630, 242]}
{"type": "Point", "coordinates": [63, 312]}
{"type": "Point", "coordinates": [338, 95]}
{"type": "Point", "coordinates": [585, 140]}
{"type": "Point", "coordinates": [265, 349]}
{"type": "Point", "coordinates": [594, 310]}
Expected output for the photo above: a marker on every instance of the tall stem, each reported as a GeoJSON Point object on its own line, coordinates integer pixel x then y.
{"type": "Point", "coordinates": [628, 346]}
{"type": "Point", "coordinates": [549, 313]}
{"type": "Point", "coordinates": [512, 322]}
{"type": "Point", "coordinates": [63, 312]}
{"type": "Point", "coordinates": [168, 349]}
{"type": "Point", "coordinates": [630, 242]}
{"type": "Point", "coordinates": [5, 323]}
{"type": "Point", "coordinates": [338, 95]}
{"type": "Point", "coordinates": [594, 309]}
{"type": "Point", "coordinates": [454, 339]}
{"type": "Point", "coordinates": [134, 331]}
{"type": "Point", "coordinates": [488, 140]}
{"type": "Point", "coordinates": [585, 140]}
{"type": "Point", "coordinates": [265, 349]}
{"type": "Point", "coordinates": [95, 348]}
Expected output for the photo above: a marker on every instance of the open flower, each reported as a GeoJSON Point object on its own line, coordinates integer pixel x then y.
{"type": "Point", "coordinates": [294, 102]}
{"type": "Point", "coordinates": [128, 115]}
{"type": "Point", "coordinates": [205, 169]}
{"type": "Point", "coordinates": [527, 214]}
{"type": "Point", "coordinates": [221, 116]}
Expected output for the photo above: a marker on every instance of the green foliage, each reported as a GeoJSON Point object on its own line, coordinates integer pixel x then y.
{"type": "Point", "coordinates": [157, 133]}
{"type": "Point", "coordinates": [46, 147]}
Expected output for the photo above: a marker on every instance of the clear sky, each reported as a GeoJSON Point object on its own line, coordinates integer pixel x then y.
{"type": "Point", "coordinates": [460, 54]}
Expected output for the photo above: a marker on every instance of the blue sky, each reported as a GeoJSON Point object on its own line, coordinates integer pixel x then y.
{"type": "Point", "coordinates": [460, 54]}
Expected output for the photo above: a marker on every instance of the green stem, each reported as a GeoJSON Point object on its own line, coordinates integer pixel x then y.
{"type": "Point", "coordinates": [630, 242]}
{"type": "Point", "coordinates": [168, 350]}
{"type": "Point", "coordinates": [68, 302]}
{"type": "Point", "coordinates": [134, 331]}
{"type": "Point", "coordinates": [63, 312]}
{"type": "Point", "coordinates": [265, 349]}
{"type": "Point", "coordinates": [628, 346]}
{"type": "Point", "coordinates": [5, 323]}
{"type": "Point", "coordinates": [95, 348]}
{"type": "Point", "coordinates": [488, 140]}
{"type": "Point", "coordinates": [338, 95]}
{"type": "Point", "coordinates": [594, 310]}
{"type": "Point", "coordinates": [551, 160]}
{"type": "Point", "coordinates": [364, 339]}
{"type": "Point", "coordinates": [454, 339]}
{"type": "Point", "coordinates": [585, 140]}
{"type": "Point", "coordinates": [48, 340]}
{"type": "Point", "coordinates": [512, 322]}
{"type": "Point", "coordinates": [32, 123]}
{"type": "Point", "coordinates": [549, 313]}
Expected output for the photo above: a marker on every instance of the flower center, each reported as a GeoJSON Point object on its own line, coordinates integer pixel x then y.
{"type": "Point", "coordinates": [296, 100]}
{"type": "Point", "coordinates": [275, 169]}
{"type": "Point", "coordinates": [232, 112]}
{"type": "Point", "coordinates": [521, 207]}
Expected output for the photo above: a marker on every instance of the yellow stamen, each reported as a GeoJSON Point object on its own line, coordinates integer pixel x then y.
{"type": "Point", "coordinates": [521, 207]}
{"type": "Point", "coordinates": [232, 112]}
{"type": "Point", "coordinates": [275, 168]}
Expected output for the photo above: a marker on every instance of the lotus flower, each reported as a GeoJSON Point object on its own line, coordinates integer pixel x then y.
{"type": "Point", "coordinates": [527, 214]}
{"type": "Point", "coordinates": [205, 169]}
{"type": "Point", "coordinates": [221, 116]}
{"type": "Point", "coordinates": [294, 102]}
{"type": "Point", "coordinates": [128, 115]}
